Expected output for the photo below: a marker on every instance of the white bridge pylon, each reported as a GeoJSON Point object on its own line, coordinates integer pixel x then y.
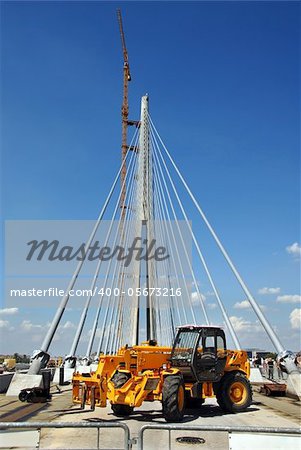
{"type": "Point", "coordinates": [151, 202]}
{"type": "Point", "coordinates": [144, 205]}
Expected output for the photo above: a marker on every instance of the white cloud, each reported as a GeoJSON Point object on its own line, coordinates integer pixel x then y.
{"type": "Point", "coordinates": [295, 318]}
{"type": "Point", "coordinates": [212, 305]}
{"type": "Point", "coordinates": [289, 298]}
{"type": "Point", "coordinates": [195, 298]}
{"type": "Point", "coordinates": [294, 249]}
{"type": "Point", "coordinates": [209, 294]}
{"type": "Point", "coordinates": [4, 323]}
{"type": "Point", "coordinates": [68, 325]}
{"type": "Point", "coordinates": [242, 305]}
{"type": "Point", "coordinates": [8, 311]}
{"type": "Point", "coordinates": [245, 304]}
{"type": "Point", "coordinates": [240, 324]}
{"type": "Point", "coordinates": [268, 291]}
{"type": "Point", "coordinates": [27, 325]}
{"type": "Point", "coordinates": [98, 334]}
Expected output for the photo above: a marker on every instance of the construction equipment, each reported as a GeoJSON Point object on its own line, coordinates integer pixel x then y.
{"type": "Point", "coordinates": [9, 364]}
{"type": "Point", "coordinates": [198, 366]}
{"type": "Point", "coordinates": [275, 389]}
{"type": "Point", "coordinates": [124, 110]}
{"type": "Point", "coordinates": [38, 394]}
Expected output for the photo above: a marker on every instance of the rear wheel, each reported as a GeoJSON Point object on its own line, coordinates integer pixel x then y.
{"type": "Point", "coordinates": [234, 393]}
{"type": "Point", "coordinates": [173, 398]}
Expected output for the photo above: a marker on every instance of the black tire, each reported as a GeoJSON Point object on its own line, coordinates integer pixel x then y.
{"type": "Point", "coordinates": [119, 379]}
{"type": "Point", "coordinates": [23, 396]}
{"type": "Point", "coordinates": [31, 397]}
{"type": "Point", "coordinates": [234, 393]}
{"type": "Point", "coordinates": [173, 398]}
{"type": "Point", "coordinates": [122, 410]}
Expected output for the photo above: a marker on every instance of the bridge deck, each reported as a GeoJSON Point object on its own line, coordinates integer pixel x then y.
{"type": "Point", "coordinates": [270, 412]}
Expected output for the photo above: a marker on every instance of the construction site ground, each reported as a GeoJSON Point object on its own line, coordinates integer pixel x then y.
{"type": "Point", "coordinates": [264, 412]}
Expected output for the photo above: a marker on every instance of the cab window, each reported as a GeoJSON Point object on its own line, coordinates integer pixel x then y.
{"type": "Point", "coordinates": [209, 344]}
{"type": "Point", "coordinates": [220, 346]}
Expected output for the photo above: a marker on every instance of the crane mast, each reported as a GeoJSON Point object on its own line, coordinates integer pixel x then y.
{"type": "Point", "coordinates": [124, 112]}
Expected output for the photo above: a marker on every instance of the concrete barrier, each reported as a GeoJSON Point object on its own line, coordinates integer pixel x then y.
{"type": "Point", "coordinates": [68, 374]}
{"type": "Point", "coordinates": [23, 381]}
{"type": "Point", "coordinates": [293, 384]}
{"type": "Point", "coordinates": [255, 376]}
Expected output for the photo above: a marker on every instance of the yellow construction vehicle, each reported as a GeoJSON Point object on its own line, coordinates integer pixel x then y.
{"type": "Point", "coordinates": [198, 366]}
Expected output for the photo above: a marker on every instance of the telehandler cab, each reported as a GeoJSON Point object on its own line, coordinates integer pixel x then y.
{"type": "Point", "coordinates": [198, 366]}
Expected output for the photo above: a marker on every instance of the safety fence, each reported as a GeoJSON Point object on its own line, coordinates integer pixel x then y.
{"type": "Point", "coordinates": [239, 438]}
{"type": "Point", "coordinates": [28, 434]}
{"type": "Point", "coordinates": [24, 435]}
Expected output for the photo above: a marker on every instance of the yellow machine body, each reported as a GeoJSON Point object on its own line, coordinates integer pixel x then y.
{"type": "Point", "coordinates": [146, 367]}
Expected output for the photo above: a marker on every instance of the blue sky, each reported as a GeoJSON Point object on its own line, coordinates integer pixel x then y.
{"type": "Point", "coordinates": [223, 80]}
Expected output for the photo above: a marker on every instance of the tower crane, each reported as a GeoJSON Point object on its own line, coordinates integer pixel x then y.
{"type": "Point", "coordinates": [124, 110]}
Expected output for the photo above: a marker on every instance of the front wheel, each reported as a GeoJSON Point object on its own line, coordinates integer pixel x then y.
{"type": "Point", "coordinates": [234, 393]}
{"type": "Point", "coordinates": [122, 410]}
{"type": "Point", "coordinates": [173, 398]}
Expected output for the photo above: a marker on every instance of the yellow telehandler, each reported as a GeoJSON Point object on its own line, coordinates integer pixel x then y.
{"type": "Point", "coordinates": [198, 366]}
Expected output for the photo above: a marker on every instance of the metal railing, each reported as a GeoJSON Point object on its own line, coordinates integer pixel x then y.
{"type": "Point", "coordinates": [98, 425]}
{"type": "Point", "coordinates": [192, 428]}
{"type": "Point", "coordinates": [128, 442]}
